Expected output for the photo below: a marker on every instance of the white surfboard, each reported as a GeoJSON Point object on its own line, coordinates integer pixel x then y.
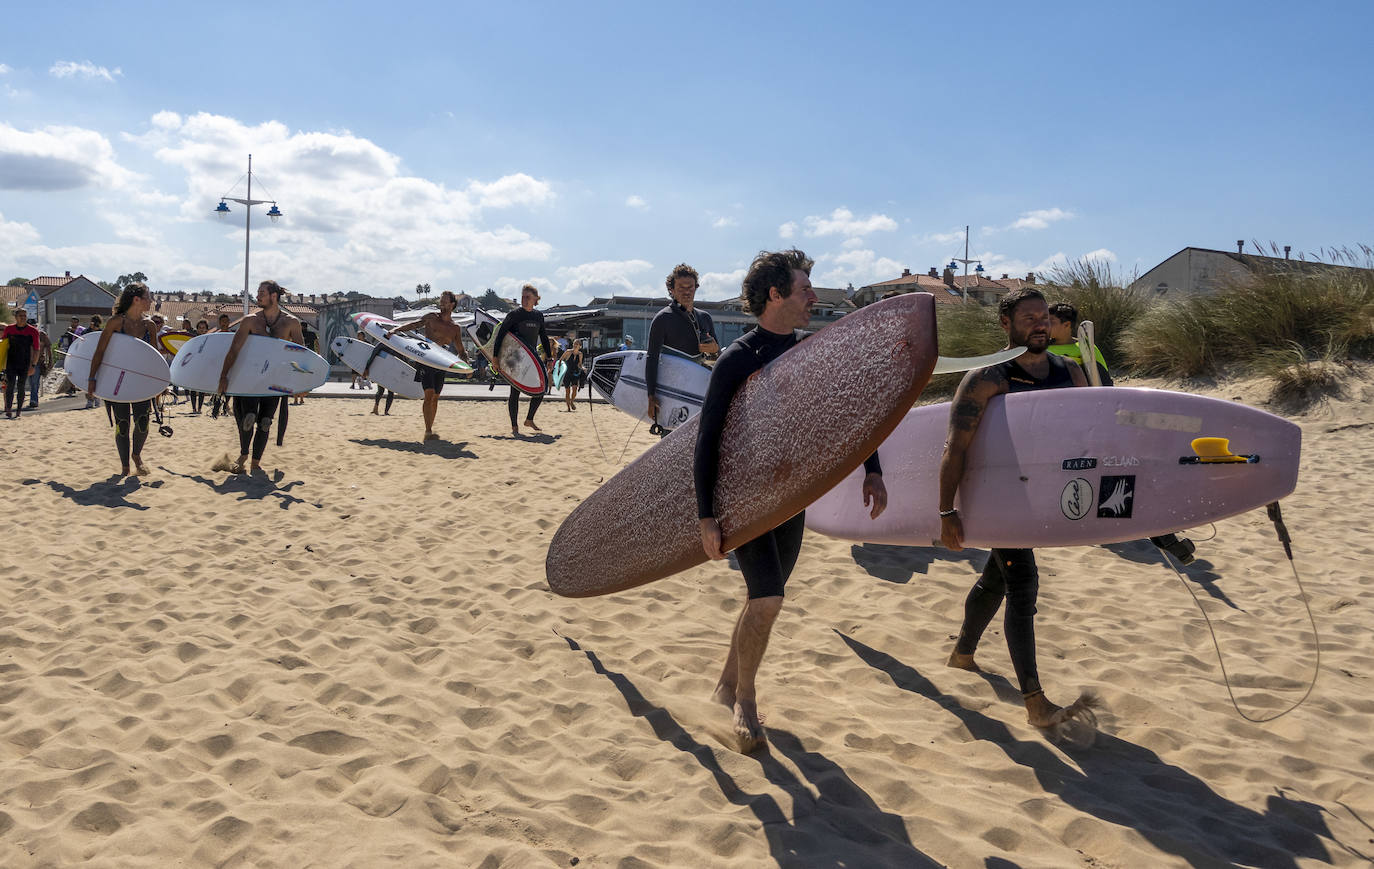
{"type": "Point", "coordinates": [387, 369]}
{"type": "Point", "coordinates": [130, 370]}
{"type": "Point", "coordinates": [515, 361]}
{"type": "Point", "coordinates": [1087, 352]}
{"type": "Point", "coordinates": [682, 381]}
{"type": "Point", "coordinates": [264, 367]}
{"type": "Point", "coordinates": [408, 344]}
{"type": "Point", "coordinates": [951, 364]}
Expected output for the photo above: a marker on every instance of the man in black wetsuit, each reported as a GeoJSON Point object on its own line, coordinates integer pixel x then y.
{"type": "Point", "coordinates": [527, 325]}
{"type": "Point", "coordinates": [1009, 573]}
{"type": "Point", "coordinates": [680, 327]}
{"type": "Point", "coordinates": [777, 290]}
{"type": "Point", "coordinates": [253, 415]}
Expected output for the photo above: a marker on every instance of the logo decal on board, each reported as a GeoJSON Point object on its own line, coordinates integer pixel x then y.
{"type": "Point", "coordinates": [1079, 464]}
{"type": "Point", "coordinates": [1076, 499]}
{"type": "Point", "coordinates": [1116, 497]}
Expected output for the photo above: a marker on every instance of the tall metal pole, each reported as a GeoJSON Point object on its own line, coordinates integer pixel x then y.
{"type": "Point", "coordinates": [250, 196]}
{"type": "Point", "coordinates": [248, 231]}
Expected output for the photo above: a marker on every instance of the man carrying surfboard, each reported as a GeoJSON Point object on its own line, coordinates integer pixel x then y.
{"type": "Point", "coordinates": [439, 329]}
{"type": "Point", "coordinates": [526, 325]}
{"type": "Point", "coordinates": [253, 414]}
{"type": "Point", "coordinates": [777, 290]}
{"type": "Point", "coordinates": [678, 326]}
{"type": "Point", "coordinates": [1009, 573]}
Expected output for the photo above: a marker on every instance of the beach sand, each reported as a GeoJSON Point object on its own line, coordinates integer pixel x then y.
{"type": "Point", "coordinates": [354, 662]}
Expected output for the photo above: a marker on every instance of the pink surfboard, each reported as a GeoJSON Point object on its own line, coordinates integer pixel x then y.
{"type": "Point", "coordinates": [1069, 467]}
{"type": "Point", "coordinates": [793, 430]}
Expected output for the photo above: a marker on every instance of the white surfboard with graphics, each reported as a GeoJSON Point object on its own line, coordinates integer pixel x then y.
{"type": "Point", "coordinates": [264, 367]}
{"type": "Point", "coordinates": [130, 370]}
{"type": "Point", "coordinates": [387, 370]}
{"type": "Point", "coordinates": [408, 344]}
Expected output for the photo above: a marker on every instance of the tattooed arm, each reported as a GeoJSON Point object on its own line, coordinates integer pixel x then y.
{"type": "Point", "coordinates": [965, 412]}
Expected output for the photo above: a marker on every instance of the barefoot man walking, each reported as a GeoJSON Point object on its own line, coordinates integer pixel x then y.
{"type": "Point", "coordinates": [777, 290]}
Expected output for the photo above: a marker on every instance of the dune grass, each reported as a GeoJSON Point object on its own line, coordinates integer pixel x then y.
{"type": "Point", "coordinates": [1101, 294]}
{"type": "Point", "coordinates": [1282, 318]}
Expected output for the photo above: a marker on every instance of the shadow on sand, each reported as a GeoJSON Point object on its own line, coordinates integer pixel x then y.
{"type": "Point", "coordinates": [252, 487]}
{"type": "Point", "coordinates": [842, 821]}
{"type": "Point", "coordinates": [532, 437]}
{"type": "Point", "coordinates": [112, 492]}
{"type": "Point", "coordinates": [1200, 572]}
{"type": "Point", "coordinates": [1124, 784]}
{"type": "Point", "coordinates": [899, 564]}
{"type": "Point", "coordinates": [442, 449]}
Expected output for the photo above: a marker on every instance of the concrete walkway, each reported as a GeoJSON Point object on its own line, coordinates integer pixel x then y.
{"type": "Point", "coordinates": [48, 403]}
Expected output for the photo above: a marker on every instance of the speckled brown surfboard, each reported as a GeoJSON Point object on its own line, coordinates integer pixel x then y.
{"type": "Point", "coordinates": [794, 430]}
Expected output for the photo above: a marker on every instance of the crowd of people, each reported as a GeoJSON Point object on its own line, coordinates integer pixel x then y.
{"type": "Point", "coordinates": [778, 293]}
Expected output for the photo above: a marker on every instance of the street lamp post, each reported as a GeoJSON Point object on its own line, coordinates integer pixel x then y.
{"type": "Point", "coordinates": [955, 260]}
{"type": "Point", "coordinates": [248, 202]}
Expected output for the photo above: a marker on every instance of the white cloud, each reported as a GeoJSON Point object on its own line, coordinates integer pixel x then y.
{"type": "Point", "coordinates": [724, 222]}
{"type": "Point", "coordinates": [1040, 218]}
{"type": "Point", "coordinates": [4, 70]}
{"type": "Point", "coordinates": [85, 69]}
{"type": "Point", "coordinates": [511, 190]}
{"type": "Point", "coordinates": [353, 219]}
{"type": "Point", "coordinates": [942, 238]}
{"type": "Point", "coordinates": [857, 267]}
{"type": "Point", "coordinates": [715, 286]}
{"type": "Point", "coordinates": [787, 230]}
{"type": "Point", "coordinates": [603, 278]}
{"type": "Point", "coordinates": [636, 201]}
{"type": "Point", "coordinates": [61, 158]}
{"type": "Point", "coordinates": [843, 222]}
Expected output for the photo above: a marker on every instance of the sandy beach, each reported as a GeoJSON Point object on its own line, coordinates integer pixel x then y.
{"type": "Point", "coordinates": [353, 661]}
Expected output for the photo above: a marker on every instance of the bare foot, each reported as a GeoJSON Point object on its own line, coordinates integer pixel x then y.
{"type": "Point", "coordinates": [529, 423]}
{"type": "Point", "coordinates": [963, 662]}
{"type": "Point", "coordinates": [257, 469]}
{"type": "Point", "coordinates": [237, 467]}
{"type": "Point", "coordinates": [140, 467]}
{"type": "Point", "coordinates": [374, 412]}
{"type": "Point", "coordinates": [515, 432]}
{"type": "Point", "coordinates": [124, 471]}
{"type": "Point", "coordinates": [748, 727]}
{"type": "Point", "coordinates": [431, 436]}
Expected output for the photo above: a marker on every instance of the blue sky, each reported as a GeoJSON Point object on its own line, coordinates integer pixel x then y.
{"type": "Point", "coordinates": [591, 147]}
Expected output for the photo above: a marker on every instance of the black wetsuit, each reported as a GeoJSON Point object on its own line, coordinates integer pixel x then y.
{"type": "Point", "coordinates": [528, 326]}
{"type": "Point", "coordinates": [767, 560]}
{"type": "Point", "coordinates": [1012, 573]}
{"type": "Point", "coordinates": [572, 369]}
{"type": "Point", "coordinates": [676, 327]}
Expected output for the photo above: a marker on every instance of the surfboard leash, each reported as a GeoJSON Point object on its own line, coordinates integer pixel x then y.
{"type": "Point", "coordinates": [1281, 530]}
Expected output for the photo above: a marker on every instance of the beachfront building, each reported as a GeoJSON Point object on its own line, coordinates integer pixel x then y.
{"type": "Point", "coordinates": [631, 315]}
{"type": "Point", "coordinates": [1199, 270]}
{"type": "Point", "coordinates": [946, 286]}
{"type": "Point", "coordinates": [59, 299]}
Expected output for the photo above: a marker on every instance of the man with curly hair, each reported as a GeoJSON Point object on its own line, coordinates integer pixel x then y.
{"type": "Point", "coordinates": [678, 326]}
{"type": "Point", "coordinates": [778, 292]}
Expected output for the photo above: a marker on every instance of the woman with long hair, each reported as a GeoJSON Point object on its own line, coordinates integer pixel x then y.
{"type": "Point", "coordinates": [131, 418]}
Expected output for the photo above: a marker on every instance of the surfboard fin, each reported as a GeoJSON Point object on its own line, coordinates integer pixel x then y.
{"type": "Point", "coordinates": [1213, 451]}
{"type": "Point", "coordinates": [953, 364]}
